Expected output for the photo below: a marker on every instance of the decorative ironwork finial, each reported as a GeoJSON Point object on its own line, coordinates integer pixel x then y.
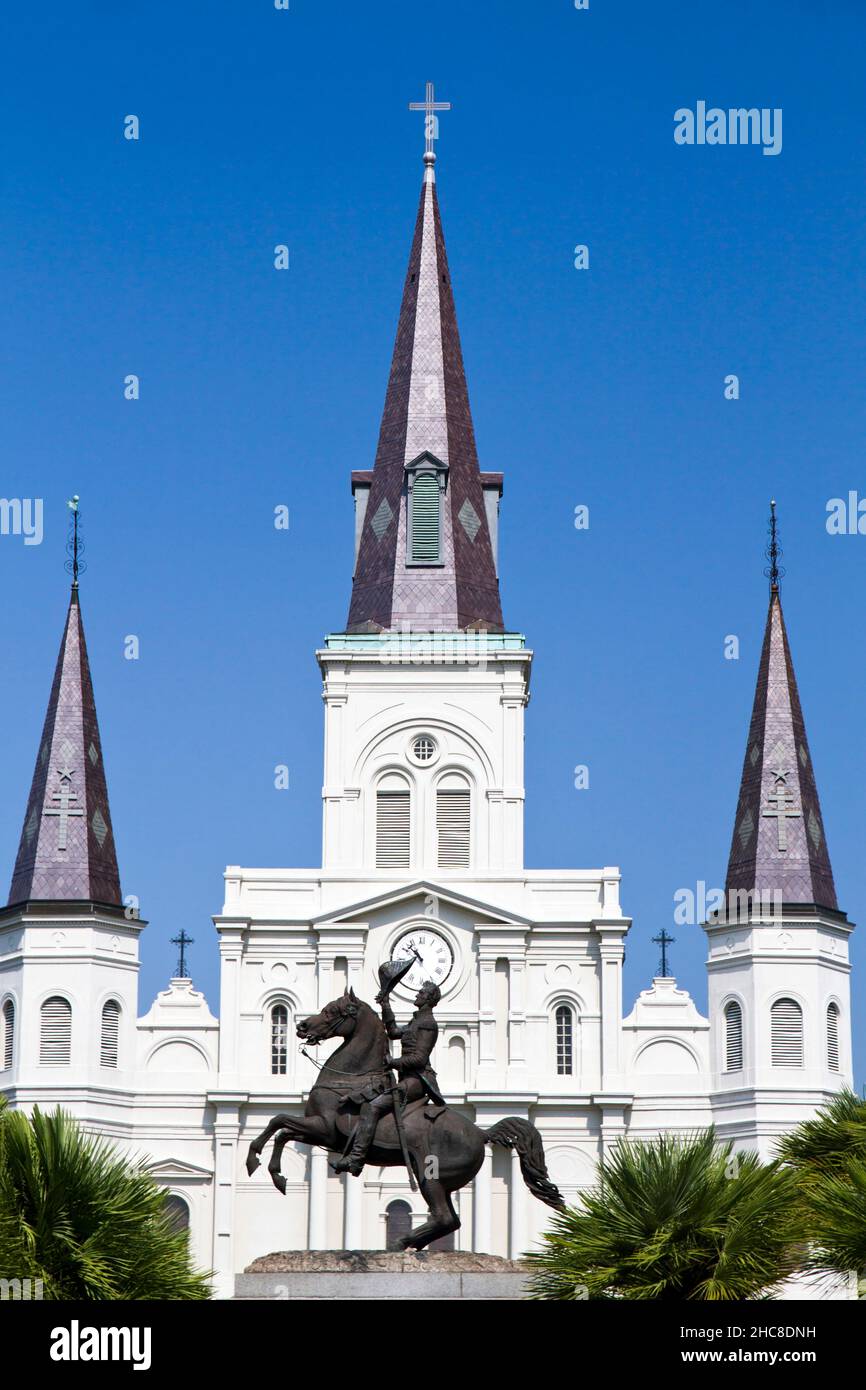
{"type": "Point", "coordinates": [774, 572]}
{"type": "Point", "coordinates": [664, 941]}
{"type": "Point", "coordinates": [182, 942]}
{"type": "Point", "coordinates": [431, 121]}
{"type": "Point", "coordinates": [74, 545]}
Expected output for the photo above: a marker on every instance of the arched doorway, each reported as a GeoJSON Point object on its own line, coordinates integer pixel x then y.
{"type": "Point", "coordinates": [177, 1212]}
{"type": "Point", "coordinates": [398, 1222]}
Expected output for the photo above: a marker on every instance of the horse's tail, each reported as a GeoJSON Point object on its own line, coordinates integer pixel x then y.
{"type": "Point", "coordinates": [518, 1134]}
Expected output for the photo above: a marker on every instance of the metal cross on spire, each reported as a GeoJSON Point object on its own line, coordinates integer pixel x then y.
{"type": "Point", "coordinates": [431, 121]}
{"type": "Point", "coordinates": [182, 941]}
{"type": "Point", "coordinates": [774, 573]}
{"type": "Point", "coordinates": [664, 941]}
{"type": "Point", "coordinates": [74, 546]}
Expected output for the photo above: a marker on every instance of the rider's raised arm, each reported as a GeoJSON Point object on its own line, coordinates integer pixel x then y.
{"type": "Point", "coordinates": [392, 1027]}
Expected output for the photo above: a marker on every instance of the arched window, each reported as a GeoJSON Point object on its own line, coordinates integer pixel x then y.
{"type": "Point", "coordinates": [425, 544]}
{"type": "Point", "coordinates": [279, 1040]}
{"type": "Point", "coordinates": [564, 1018]}
{"type": "Point", "coordinates": [833, 1037]}
{"type": "Point", "coordinates": [733, 1037]}
{"type": "Point", "coordinates": [55, 1036]}
{"type": "Point", "coordinates": [110, 1032]}
{"type": "Point", "coordinates": [452, 822]}
{"type": "Point", "coordinates": [398, 1222]}
{"type": "Point", "coordinates": [177, 1212]}
{"type": "Point", "coordinates": [392, 823]}
{"type": "Point", "coordinates": [8, 1034]}
{"type": "Point", "coordinates": [456, 1062]}
{"type": "Point", "coordinates": [786, 1033]}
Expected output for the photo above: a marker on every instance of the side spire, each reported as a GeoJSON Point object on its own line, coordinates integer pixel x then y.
{"type": "Point", "coordinates": [425, 558]}
{"type": "Point", "coordinates": [779, 851]}
{"type": "Point", "coordinates": [67, 853]}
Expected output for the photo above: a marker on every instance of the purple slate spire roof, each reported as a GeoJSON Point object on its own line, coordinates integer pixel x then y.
{"type": "Point", "coordinates": [426, 413]}
{"type": "Point", "coordinates": [67, 851]}
{"type": "Point", "coordinates": [778, 845]}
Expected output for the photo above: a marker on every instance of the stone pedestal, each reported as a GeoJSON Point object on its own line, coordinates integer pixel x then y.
{"type": "Point", "coordinates": [380, 1274]}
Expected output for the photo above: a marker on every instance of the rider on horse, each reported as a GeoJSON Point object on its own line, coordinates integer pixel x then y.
{"type": "Point", "coordinates": [417, 1077]}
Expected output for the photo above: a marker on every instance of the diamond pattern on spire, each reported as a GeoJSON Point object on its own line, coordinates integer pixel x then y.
{"type": "Point", "coordinates": [747, 828]}
{"type": "Point", "coordinates": [100, 829]}
{"type": "Point", "coordinates": [382, 520]}
{"type": "Point", "coordinates": [469, 519]}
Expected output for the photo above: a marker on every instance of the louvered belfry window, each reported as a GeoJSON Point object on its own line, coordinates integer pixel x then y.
{"type": "Point", "coordinates": [8, 1034]}
{"type": "Point", "coordinates": [733, 1037]}
{"type": "Point", "coordinates": [424, 521]}
{"type": "Point", "coordinates": [786, 1033]}
{"type": "Point", "coordinates": [110, 1033]}
{"type": "Point", "coordinates": [564, 1041]}
{"type": "Point", "coordinates": [452, 823]}
{"type": "Point", "coordinates": [279, 1040]}
{"type": "Point", "coordinates": [392, 824]}
{"type": "Point", "coordinates": [55, 1038]}
{"type": "Point", "coordinates": [833, 1037]}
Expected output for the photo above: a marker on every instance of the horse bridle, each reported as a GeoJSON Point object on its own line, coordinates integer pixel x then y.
{"type": "Point", "coordinates": [351, 1011]}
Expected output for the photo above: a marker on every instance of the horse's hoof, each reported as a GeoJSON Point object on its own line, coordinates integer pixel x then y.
{"type": "Point", "coordinates": [279, 1182]}
{"type": "Point", "coordinates": [252, 1162]}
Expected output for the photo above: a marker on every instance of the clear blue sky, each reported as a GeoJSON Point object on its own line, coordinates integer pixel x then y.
{"type": "Point", "coordinates": [602, 387]}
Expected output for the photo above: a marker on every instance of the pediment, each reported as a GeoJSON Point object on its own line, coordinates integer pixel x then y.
{"type": "Point", "coordinates": [414, 897]}
{"type": "Point", "coordinates": [177, 1170]}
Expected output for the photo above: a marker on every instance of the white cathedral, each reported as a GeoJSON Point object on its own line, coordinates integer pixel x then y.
{"type": "Point", "coordinates": [425, 691]}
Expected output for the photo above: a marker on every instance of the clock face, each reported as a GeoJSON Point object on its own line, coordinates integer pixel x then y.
{"type": "Point", "coordinates": [436, 957]}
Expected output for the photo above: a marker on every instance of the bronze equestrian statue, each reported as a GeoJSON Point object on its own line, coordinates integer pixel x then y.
{"type": "Point", "coordinates": [417, 1077]}
{"type": "Point", "coordinates": [357, 1112]}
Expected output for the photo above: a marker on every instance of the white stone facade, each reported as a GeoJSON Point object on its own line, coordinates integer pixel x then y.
{"type": "Point", "coordinates": [518, 946]}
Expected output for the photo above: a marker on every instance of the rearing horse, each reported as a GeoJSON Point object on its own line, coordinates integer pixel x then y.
{"type": "Point", "coordinates": [446, 1150]}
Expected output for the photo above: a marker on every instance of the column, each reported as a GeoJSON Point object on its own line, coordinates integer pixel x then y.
{"type": "Point", "coordinates": [516, 1011]}
{"type": "Point", "coordinates": [516, 1210]}
{"type": "Point", "coordinates": [326, 978]}
{"type": "Point", "coordinates": [353, 1212]}
{"type": "Point", "coordinates": [318, 1222]}
{"type": "Point", "coordinates": [231, 951]}
{"type": "Point", "coordinates": [487, 1013]}
{"type": "Point", "coordinates": [611, 955]}
{"type": "Point", "coordinates": [481, 1205]}
{"type": "Point", "coordinates": [226, 1129]}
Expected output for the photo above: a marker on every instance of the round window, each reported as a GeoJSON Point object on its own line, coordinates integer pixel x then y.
{"type": "Point", "coordinates": [423, 749]}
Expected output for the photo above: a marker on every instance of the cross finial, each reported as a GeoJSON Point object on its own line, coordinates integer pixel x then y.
{"type": "Point", "coordinates": [773, 572]}
{"type": "Point", "coordinates": [74, 545]}
{"type": "Point", "coordinates": [182, 941]}
{"type": "Point", "coordinates": [431, 122]}
{"type": "Point", "coordinates": [664, 941]}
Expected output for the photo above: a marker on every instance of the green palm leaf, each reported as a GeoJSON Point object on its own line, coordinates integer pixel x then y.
{"type": "Point", "coordinates": [85, 1221]}
{"type": "Point", "coordinates": [677, 1218]}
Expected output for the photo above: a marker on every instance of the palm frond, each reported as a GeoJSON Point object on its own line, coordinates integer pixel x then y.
{"type": "Point", "coordinates": [676, 1218]}
{"type": "Point", "coordinates": [77, 1215]}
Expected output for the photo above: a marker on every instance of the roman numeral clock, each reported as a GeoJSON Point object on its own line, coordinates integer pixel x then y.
{"type": "Point", "coordinates": [432, 954]}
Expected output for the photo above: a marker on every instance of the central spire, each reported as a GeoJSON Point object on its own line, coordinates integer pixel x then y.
{"type": "Point", "coordinates": [425, 559]}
